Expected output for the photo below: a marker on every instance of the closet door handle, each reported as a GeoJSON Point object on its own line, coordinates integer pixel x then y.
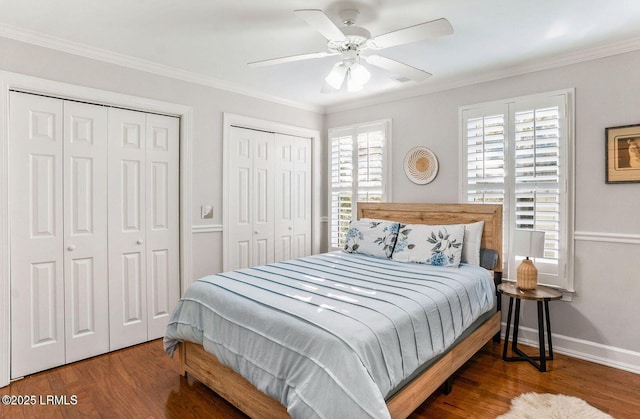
{"type": "Point", "coordinates": [256, 232]}
{"type": "Point", "coordinates": [71, 247]}
{"type": "Point", "coordinates": [139, 242]}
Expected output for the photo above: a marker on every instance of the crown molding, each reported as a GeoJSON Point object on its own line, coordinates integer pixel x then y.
{"type": "Point", "coordinates": [79, 49]}
{"type": "Point", "coordinates": [556, 61]}
{"type": "Point", "coordinates": [413, 90]}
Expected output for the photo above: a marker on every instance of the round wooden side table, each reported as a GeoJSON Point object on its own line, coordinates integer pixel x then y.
{"type": "Point", "coordinates": [542, 295]}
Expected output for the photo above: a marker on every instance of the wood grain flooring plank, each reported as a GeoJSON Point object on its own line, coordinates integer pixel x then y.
{"type": "Point", "coordinates": [141, 381]}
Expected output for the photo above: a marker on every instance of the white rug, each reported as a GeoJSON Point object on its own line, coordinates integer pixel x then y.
{"type": "Point", "coordinates": [551, 406]}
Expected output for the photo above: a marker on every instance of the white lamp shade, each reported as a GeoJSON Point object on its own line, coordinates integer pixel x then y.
{"type": "Point", "coordinates": [352, 85]}
{"type": "Point", "coordinates": [336, 76]}
{"type": "Point", "coordinates": [359, 74]}
{"type": "Point", "coordinates": [528, 243]}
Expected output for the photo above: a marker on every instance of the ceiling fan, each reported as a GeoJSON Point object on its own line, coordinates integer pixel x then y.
{"type": "Point", "coordinates": [350, 41]}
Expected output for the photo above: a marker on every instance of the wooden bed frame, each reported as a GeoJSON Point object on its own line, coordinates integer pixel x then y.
{"type": "Point", "coordinates": [242, 394]}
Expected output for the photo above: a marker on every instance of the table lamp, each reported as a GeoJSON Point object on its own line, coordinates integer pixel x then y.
{"type": "Point", "coordinates": [529, 244]}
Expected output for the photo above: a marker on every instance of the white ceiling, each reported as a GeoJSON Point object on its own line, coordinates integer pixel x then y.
{"type": "Point", "coordinates": [215, 39]}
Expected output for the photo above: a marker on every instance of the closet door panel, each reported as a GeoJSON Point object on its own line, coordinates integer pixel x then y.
{"type": "Point", "coordinates": [302, 197]}
{"type": "Point", "coordinates": [126, 228]}
{"type": "Point", "coordinates": [262, 198]}
{"type": "Point", "coordinates": [162, 228]}
{"type": "Point", "coordinates": [85, 231]}
{"type": "Point", "coordinates": [240, 216]}
{"type": "Point", "coordinates": [283, 194]}
{"type": "Point", "coordinates": [292, 197]}
{"type": "Point", "coordinates": [37, 283]}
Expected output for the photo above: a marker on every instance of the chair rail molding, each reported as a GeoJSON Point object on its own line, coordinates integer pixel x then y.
{"type": "Point", "coordinates": [206, 228]}
{"type": "Point", "coordinates": [620, 238]}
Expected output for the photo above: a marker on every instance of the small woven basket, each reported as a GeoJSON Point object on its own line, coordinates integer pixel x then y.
{"type": "Point", "coordinates": [527, 277]}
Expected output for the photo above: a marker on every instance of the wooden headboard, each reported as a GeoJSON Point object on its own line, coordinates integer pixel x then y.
{"type": "Point", "coordinates": [491, 214]}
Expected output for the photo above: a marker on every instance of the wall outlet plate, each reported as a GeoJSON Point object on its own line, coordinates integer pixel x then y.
{"type": "Point", "coordinates": [206, 211]}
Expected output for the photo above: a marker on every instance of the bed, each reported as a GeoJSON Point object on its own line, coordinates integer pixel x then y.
{"type": "Point", "coordinates": [404, 383]}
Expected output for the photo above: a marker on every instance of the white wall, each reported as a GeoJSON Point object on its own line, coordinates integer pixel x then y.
{"type": "Point", "coordinates": [601, 323]}
{"type": "Point", "coordinates": [208, 105]}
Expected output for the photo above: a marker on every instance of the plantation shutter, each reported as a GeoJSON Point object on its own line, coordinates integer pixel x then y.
{"type": "Point", "coordinates": [516, 154]}
{"type": "Point", "coordinates": [370, 163]}
{"type": "Point", "coordinates": [358, 172]}
{"type": "Point", "coordinates": [539, 178]}
{"type": "Point", "coordinates": [341, 185]}
{"type": "Point", "coordinates": [485, 171]}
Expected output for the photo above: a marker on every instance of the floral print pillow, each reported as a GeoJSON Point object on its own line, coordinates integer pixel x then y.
{"type": "Point", "coordinates": [439, 245]}
{"type": "Point", "coordinates": [371, 237]}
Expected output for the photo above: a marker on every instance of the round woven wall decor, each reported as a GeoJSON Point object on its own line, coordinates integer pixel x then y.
{"type": "Point", "coordinates": [421, 165]}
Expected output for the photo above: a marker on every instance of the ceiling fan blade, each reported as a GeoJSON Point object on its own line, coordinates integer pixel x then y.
{"type": "Point", "coordinates": [427, 30]}
{"type": "Point", "coordinates": [398, 68]}
{"type": "Point", "coordinates": [320, 22]}
{"type": "Point", "coordinates": [290, 58]}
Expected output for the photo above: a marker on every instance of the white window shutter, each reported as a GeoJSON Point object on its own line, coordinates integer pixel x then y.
{"type": "Point", "coordinates": [359, 173]}
{"type": "Point", "coordinates": [485, 162]}
{"type": "Point", "coordinates": [517, 153]}
{"type": "Point", "coordinates": [538, 176]}
{"type": "Point", "coordinates": [341, 185]}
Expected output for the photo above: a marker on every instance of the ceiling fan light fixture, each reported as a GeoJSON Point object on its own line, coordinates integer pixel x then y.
{"type": "Point", "coordinates": [352, 84]}
{"type": "Point", "coordinates": [336, 76]}
{"type": "Point", "coordinates": [350, 40]}
{"type": "Point", "coordinates": [359, 74]}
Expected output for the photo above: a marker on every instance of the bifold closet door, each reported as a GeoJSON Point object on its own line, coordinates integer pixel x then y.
{"type": "Point", "coordinates": [143, 225]}
{"type": "Point", "coordinates": [58, 232]}
{"type": "Point", "coordinates": [85, 231]}
{"type": "Point", "coordinates": [292, 192]}
{"type": "Point", "coordinates": [302, 197]}
{"type": "Point", "coordinates": [162, 218]}
{"type": "Point", "coordinates": [251, 213]}
{"type": "Point", "coordinates": [37, 236]}
{"type": "Point", "coordinates": [127, 222]}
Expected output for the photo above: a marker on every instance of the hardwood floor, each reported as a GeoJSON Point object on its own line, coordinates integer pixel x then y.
{"type": "Point", "coordinates": [142, 381]}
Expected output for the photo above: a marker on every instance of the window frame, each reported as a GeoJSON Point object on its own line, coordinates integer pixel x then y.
{"type": "Point", "coordinates": [508, 108]}
{"type": "Point", "coordinates": [355, 130]}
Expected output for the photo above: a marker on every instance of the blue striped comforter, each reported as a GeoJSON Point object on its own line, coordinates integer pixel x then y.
{"type": "Point", "coordinates": [330, 335]}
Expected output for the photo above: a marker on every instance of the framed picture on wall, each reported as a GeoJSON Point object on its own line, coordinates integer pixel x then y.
{"type": "Point", "coordinates": [623, 154]}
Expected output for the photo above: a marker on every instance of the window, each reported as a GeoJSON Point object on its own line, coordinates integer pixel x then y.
{"type": "Point", "coordinates": [519, 153]}
{"type": "Point", "coordinates": [359, 168]}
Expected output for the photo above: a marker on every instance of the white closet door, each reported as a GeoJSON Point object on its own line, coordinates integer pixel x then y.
{"type": "Point", "coordinates": [127, 221]}
{"type": "Point", "coordinates": [262, 199]}
{"type": "Point", "coordinates": [292, 197]}
{"type": "Point", "coordinates": [284, 197]}
{"type": "Point", "coordinates": [162, 221]}
{"type": "Point", "coordinates": [301, 197]}
{"type": "Point", "coordinates": [37, 283]}
{"type": "Point", "coordinates": [85, 231]}
{"type": "Point", "coordinates": [240, 236]}
{"type": "Point", "coordinates": [250, 214]}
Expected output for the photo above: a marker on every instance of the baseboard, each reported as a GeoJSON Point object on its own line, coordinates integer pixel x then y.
{"type": "Point", "coordinates": [610, 356]}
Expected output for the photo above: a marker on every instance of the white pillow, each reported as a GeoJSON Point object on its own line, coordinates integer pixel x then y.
{"type": "Point", "coordinates": [472, 240]}
{"type": "Point", "coordinates": [371, 237]}
{"type": "Point", "coordinates": [439, 245]}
